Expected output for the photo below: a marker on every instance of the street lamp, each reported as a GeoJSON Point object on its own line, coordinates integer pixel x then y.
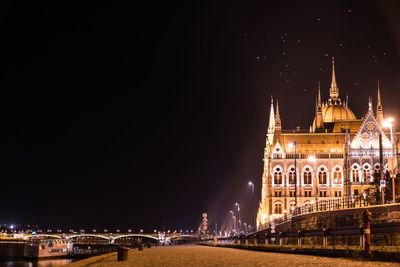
{"type": "Point", "coordinates": [393, 163]}
{"type": "Point", "coordinates": [238, 215]}
{"type": "Point", "coordinates": [251, 184]}
{"type": "Point", "coordinates": [233, 221]}
{"type": "Point", "coordinates": [295, 172]}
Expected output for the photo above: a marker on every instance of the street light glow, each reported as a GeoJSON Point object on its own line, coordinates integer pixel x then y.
{"type": "Point", "coordinates": [311, 158]}
{"type": "Point", "coordinates": [388, 123]}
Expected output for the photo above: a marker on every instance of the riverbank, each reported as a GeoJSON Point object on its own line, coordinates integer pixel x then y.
{"type": "Point", "coordinates": [391, 254]}
{"type": "Point", "coordinates": [92, 260]}
{"type": "Point", "coordinates": [208, 256]}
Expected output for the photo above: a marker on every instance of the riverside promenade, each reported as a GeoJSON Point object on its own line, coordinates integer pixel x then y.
{"type": "Point", "coordinates": [205, 256]}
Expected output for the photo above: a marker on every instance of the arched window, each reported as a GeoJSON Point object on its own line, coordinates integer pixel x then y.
{"type": "Point", "coordinates": [337, 176]}
{"type": "Point", "coordinates": [322, 176]}
{"type": "Point", "coordinates": [355, 173]}
{"type": "Point", "coordinates": [278, 208]}
{"type": "Point", "coordinates": [278, 176]}
{"type": "Point", "coordinates": [292, 176]}
{"type": "Point", "coordinates": [307, 176]}
{"type": "Point", "coordinates": [367, 173]}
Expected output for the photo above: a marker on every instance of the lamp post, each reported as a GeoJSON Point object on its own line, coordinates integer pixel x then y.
{"type": "Point", "coordinates": [381, 168]}
{"type": "Point", "coordinates": [295, 172]}
{"type": "Point", "coordinates": [238, 216]}
{"type": "Point", "coordinates": [393, 164]}
{"type": "Point", "coordinates": [233, 221]}
{"type": "Point", "coordinates": [313, 159]}
{"type": "Point", "coordinates": [251, 184]}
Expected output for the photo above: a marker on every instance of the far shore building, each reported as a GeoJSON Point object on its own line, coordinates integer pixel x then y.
{"type": "Point", "coordinates": [335, 157]}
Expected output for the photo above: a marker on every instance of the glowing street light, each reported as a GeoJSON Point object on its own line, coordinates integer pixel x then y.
{"type": "Point", "coordinates": [311, 158]}
{"type": "Point", "coordinates": [293, 145]}
{"type": "Point", "coordinates": [238, 216]}
{"type": "Point", "coordinates": [251, 184]}
{"type": "Point", "coordinates": [388, 123]}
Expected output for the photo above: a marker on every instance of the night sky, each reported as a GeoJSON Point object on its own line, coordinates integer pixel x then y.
{"type": "Point", "coordinates": [134, 116]}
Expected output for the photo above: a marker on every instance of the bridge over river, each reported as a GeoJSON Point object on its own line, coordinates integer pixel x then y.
{"type": "Point", "coordinates": [112, 238]}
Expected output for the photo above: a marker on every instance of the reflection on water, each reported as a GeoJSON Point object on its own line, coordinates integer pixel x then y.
{"type": "Point", "coordinates": [40, 263]}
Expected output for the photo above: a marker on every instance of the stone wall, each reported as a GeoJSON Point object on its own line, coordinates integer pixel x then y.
{"type": "Point", "coordinates": [343, 218]}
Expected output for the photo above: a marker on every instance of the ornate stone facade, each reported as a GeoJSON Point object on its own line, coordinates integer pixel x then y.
{"type": "Point", "coordinates": [336, 157]}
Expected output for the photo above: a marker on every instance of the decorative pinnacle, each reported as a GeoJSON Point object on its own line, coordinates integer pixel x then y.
{"type": "Point", "coordinates": [379, 101]}
{"type": "Point", "coordinates": [277, 116]}
{"type": "Point", "coordinates": [319, 94]}
{"type": "Point", "coordinates": [370, 103]}
{"type": "Point", "coordinates": [334, 90]}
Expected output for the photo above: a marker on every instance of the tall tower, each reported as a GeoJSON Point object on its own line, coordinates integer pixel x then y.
{"type": "Point", "coordinates": [264, 205]}
{"type": "Point", "coordinates": [379, 109]}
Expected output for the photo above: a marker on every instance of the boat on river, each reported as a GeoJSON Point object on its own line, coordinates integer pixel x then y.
{"type": "Point", "coordinates": [47, 248]}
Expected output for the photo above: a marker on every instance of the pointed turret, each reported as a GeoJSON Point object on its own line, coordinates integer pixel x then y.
{"type": "Point", "coordinates": [369, 104]}
{"type": "Point", "coordinates": [319, 103]}
{"type": "Point", "coordinates": [278, 125]}
{"type": "Point", "coordinates": [379, 109]}
{"type": "Point", "coordinates": [271, 124]}
{"type": "Point", "coordinates": [277, 116]}
{"type": "Point", "coordinates": [319, 121]}
{"type": "Point", "coordinates": [334, 90]}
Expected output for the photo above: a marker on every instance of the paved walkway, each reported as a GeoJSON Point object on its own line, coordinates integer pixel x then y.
{"type": "Point", "coordinates": [202, 256]}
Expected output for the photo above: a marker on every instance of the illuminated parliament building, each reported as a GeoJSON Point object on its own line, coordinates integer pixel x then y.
{"type": "Point", "coordinates": [335, 158]}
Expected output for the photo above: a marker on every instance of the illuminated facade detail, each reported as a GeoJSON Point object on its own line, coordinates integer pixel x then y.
{"type": "Point", "coordinates": [335, 158]}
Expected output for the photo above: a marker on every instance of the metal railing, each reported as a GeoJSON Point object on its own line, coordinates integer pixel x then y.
{"type": "Point", "coordinates": [324, 205]}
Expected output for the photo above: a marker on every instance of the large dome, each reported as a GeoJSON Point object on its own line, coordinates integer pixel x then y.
{"type": "Point", "coordinates": [331, 113]}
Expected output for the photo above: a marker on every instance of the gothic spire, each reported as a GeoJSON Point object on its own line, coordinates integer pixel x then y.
{"type": "Point", "coordinates": [278, 125]}
{"type": "Point", "coordinates": [379, 104]}
{"type": "Point", "coordinates": [277, 116]}
{"type": "Point", "coordinates": [379, 109]}
{"type": "Point", "coordinates": [334, 90]}
{"type": "Point", "coordinates": [319, 121]}
{"type": "Point", "coordinates": [369, 103]}
{"type": "Point", "coordinates": [271, 124]}
{"type": "Point", "coordinates": [319, 95]}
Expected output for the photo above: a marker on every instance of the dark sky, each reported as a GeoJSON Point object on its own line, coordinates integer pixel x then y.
{"type": "Point", "coordinates": [117, 115]}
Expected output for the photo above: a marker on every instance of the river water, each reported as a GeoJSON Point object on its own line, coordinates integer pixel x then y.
{"type": "Point", "coordinates": [11, 255]}
{"type": "Point", "coordinates": [39, 263]}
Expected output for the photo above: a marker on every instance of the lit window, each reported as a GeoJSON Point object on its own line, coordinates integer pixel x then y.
{"type": "Point", "coordinates": [307, 176]}
{"type": "Point", "coordinates": [278, 176]}
{"type": "Point", "coordinates": [337, 176]}
{"type": "Point", "coordinates": [322, 176]}
{"type": "Point", "coordinates": [367, 173]}
{"type": "Point", "coordinates": [292, 176]}
{"type": "Point", "coordinates": [278, 208]}
{"type": "Point", "coordinates": [355, 174]}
